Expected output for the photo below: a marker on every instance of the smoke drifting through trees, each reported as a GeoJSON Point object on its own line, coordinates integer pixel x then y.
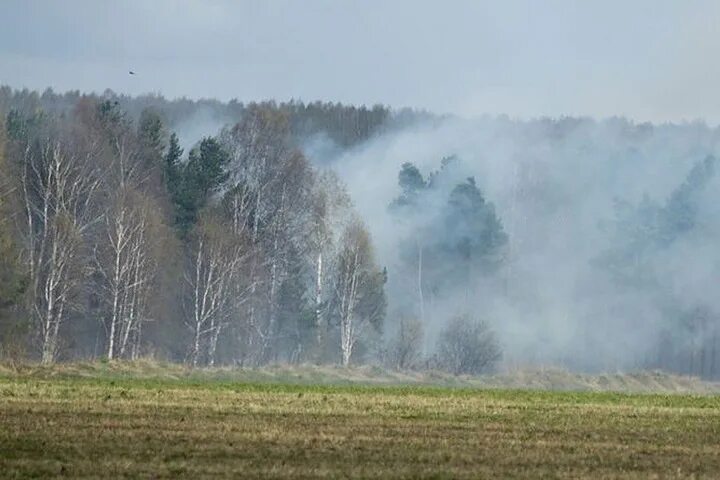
{"type": "Point", "coordinates": [608, 260]}
{"type": "Point", "coordinates": [573, 242]}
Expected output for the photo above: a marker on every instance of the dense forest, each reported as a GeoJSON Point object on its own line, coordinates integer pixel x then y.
{"type": "Point", "coordinates": [216, 233]}
{"type": "Point", "coordinates": [117, 244]}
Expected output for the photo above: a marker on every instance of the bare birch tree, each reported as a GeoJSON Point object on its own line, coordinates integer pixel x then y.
{"type": "Point", "coordinates": [58, 188]}
{"type": "Point", "coordinates": [217, 258]}
{"type": "Point", "coordinates": [359, 299]}
{"type": "Point", "coordinates": [270, 200]}
{"type": "Point", "coordinates": [331, 208]}
{"type": "Point", "coordinates": [257, 146]}
{"type": "Point", "coordinates": [124, 251]}
{"type": "Point", "coordinates": [125, 260]}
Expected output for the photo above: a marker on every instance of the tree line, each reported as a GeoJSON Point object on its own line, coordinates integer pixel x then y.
{"type": "Point", "coordinates": [116, 244]}
{"type": "Point", "coordinates": [345, 125]}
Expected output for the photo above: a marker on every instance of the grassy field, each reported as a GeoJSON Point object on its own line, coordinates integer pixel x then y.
{"type": "Point", "coordinates": [147, 426]}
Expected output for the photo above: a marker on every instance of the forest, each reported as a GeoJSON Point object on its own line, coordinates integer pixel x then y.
{"type": "Point", "coordinates": [117, 244]}
{"type": "Point", "coordinates": [214, 233]}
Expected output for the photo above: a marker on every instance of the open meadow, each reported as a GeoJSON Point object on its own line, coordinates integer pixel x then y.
{"type": "Point", "coordinates": [117, 422]}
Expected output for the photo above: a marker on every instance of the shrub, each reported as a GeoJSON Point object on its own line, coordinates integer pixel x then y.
{"type": "Point", "coordinates": [405, 350]}
{"type": "Point", "coordinates": [467, 346]}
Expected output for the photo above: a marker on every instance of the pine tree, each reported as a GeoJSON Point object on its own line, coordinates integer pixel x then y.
{"type": "Point", "coordinates": [150, 135]}
{"type": "Point", "coordinates": [172, 165]}
{"type": "Point", "coordinates": [411, 183]}
{"type": "Point", "coordinates": [202, 176]}
{"type": "Point", "coordinates": [477, 234]}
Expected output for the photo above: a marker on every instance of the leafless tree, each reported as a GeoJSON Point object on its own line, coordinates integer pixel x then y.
{"type": "Point", "coordinates": [406, 349]}
{"type": "Point", "coordinates": [467, 346]}
{"type": "Point", "coordinates": [331, 207]}
{"type": "Point", "coordinates": [58, 188]}
{"type": "Point", "coordinates": [359, 302]}
{"type": "Point", "coordinates": [270, 199]}
{"type": "Point", "coordinates": [217, 258]}
{"type": "Point", "coordinates": [124, 248]}
{"type": "Point", "coordinates": [125, 260]}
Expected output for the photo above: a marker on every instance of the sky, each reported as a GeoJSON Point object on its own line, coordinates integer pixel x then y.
{"type": "Point", "coordinates": [649, 60]}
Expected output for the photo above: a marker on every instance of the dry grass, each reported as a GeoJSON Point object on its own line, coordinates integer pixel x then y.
{"type": "Point", "coordinates": [183, 424]}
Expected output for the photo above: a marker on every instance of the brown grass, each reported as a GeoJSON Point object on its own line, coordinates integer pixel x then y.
{"type": "Point", "coordinates": [188, 426]}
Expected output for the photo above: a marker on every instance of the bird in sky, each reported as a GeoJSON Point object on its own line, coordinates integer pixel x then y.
{"type": "Point", "coordinates": [131, 72]}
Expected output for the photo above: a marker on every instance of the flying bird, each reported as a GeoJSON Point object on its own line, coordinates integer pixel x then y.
{"type": "Point", "coordinates": [131, 72]}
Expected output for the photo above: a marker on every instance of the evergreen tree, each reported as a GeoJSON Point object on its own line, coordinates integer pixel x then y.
{"type": "Point", "coordinates": [639, 231]}
{"type": "Point", "coordinates": [172, 165]}
{"type": "Point", "coordinates": [150, 135]}
{"type": "Point", "coordinates": [680, 212]}
{"type": "Point", "coordinates": [476, 232]}
{"type": "Point", "coordinates": [202, 176]}
{"type": "Point", "coordinates": [411, 183]}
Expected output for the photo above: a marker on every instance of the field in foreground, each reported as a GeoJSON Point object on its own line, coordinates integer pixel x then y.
{"type": "Point", "coordinates": [189, 427]}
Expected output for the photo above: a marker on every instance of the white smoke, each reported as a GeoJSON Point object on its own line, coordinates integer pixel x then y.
{"type": "Point", "coordinates": [554, 184]}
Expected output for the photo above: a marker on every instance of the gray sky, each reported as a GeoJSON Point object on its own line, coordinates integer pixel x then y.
{"type": "Point", "coordinates": [647, 59]}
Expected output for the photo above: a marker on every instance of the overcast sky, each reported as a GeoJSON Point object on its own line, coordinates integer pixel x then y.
{"type": "Point", "coordinates": [647, 59]}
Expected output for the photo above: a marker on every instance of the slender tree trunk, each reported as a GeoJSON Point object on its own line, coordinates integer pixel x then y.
{"type": "Point", "coordinates": [197, 307]}
{"type": "Point", "coordinates": [347, 348]}
{"type": "Point", "coordinates": [48, 350]}
{"type": "Point", "coordinates": [136, 342]}
{"type": "Point", "coordinates": [421, 297]}
{"type": "Point", "coordinates": [713, 356]}
{"type": "Point", "coordinates": [274, 273]}
{"type": "Point", "coordinates": [215, 335]}
{"type": "Point", "coordinates": [347, 331]}
{"type": "Point", "coordinates": [318, 300]}
{"type": "Point", "coordinates": [196, 347]}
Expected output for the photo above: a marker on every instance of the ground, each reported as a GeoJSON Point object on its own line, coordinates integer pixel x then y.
{"type": "Point", "coordinates": [126, 423]}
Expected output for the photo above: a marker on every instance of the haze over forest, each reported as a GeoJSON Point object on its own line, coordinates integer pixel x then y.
{"type": "Point", "coordinates": [446, 235]}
